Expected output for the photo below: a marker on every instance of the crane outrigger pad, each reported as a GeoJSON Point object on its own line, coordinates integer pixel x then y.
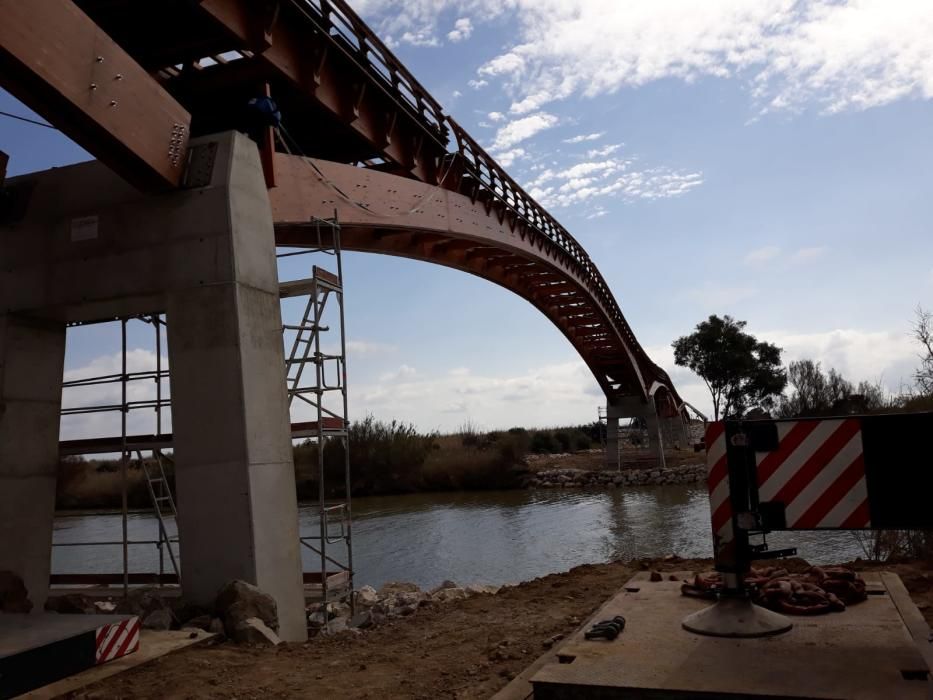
{"type": "Point", "coordinates": [873, 650]}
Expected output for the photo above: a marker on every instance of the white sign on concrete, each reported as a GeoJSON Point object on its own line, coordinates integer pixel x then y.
{"type": "Point", "coordinates": [84, 228]}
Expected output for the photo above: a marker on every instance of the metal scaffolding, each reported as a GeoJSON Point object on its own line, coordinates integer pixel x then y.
{"type": "Point", "coordinates": [319, 339]}
{"type": "Point", "coordinates": [153, 469]}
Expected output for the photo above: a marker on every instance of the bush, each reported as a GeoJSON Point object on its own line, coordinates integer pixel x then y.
{"type": "Point", "coordinates": [563, 440]}
{"type": "Point", "coordinates": [542, 442]}
{"type": "Point", "coordinates": [583, 441]}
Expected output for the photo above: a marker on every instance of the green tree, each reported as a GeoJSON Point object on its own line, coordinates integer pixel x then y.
{"type": "Point", "coordinates": [817, 393]}
{"type": "Point", "coordinates": [740, 371]}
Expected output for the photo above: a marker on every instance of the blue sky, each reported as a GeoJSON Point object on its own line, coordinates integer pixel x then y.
{"type": "Point", "coordinates": [770, 160]}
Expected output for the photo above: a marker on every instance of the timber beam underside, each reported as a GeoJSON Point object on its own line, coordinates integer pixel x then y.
{"type": "Point", "coordinates": [382, 213]}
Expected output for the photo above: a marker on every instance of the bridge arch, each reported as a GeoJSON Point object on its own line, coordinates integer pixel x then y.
{"type": "Point", "coordinates": [393, 215]}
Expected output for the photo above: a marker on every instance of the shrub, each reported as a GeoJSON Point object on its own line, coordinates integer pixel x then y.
{"type": "Point", "coordinates": [542, 442]}
{"type": "Point", "coordinates": [564, 441]}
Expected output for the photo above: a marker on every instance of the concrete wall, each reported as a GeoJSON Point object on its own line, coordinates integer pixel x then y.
{"type": "Point", "coordinates": [89, 247]}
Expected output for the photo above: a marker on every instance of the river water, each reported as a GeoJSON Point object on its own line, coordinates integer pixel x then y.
{"type": "Point", "coordinates": [479, 537]}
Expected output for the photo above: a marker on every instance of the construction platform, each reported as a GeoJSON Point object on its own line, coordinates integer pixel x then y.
{"type": "Point", "coordinates": [876, 649]}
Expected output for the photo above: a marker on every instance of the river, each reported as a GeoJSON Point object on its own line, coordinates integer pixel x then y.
{"type": "Point", "coordinates": [480, 537]}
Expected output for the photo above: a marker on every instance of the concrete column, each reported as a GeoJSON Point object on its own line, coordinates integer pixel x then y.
{"type": "Point", "coordinates": [81, 244]}
{"type": "Point", "coordinates": [612, 441]}
{"type": "Point", "coordinates": [655, 443]}
{"type": "Point", "coordinates": [238, 511]}
{"type": "Point", "coordinates": [672, 432]}
{"type": "Point", "coordinates": [32, 357]}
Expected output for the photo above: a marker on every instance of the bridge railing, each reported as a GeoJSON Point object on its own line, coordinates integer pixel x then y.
{"type": "Point", "coordinates": [336, 20]}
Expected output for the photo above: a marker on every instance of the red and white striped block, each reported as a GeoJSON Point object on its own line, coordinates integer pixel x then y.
{"type": "Point", "coordinates": [116, 640]}
{"type": "Point", "coordinates": [717, 479]}
{"type": "Point", "coordinates": [818, 473]}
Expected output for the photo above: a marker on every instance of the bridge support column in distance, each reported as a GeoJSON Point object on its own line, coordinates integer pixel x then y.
{"type": "Point", "coordinates": [612, 437]}
{"type": "Point", "coordinates": [655, 438]}
{"type": "Point", "coordinates": [32, 358]}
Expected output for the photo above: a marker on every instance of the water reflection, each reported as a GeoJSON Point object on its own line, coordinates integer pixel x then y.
{"type": "Point", "coordinates": [487, 537]}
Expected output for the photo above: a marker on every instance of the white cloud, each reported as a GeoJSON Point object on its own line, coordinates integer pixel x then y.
{"type": "Point", "coordinates": [419, 39]}
{"type": "Point", "coordinates": [762, 255]}
{"type": "Point", "coordinates": [604, 151]}
{"type": "Point", "coordinates": [462, 30]}
{"type": "Point", "coordinates": [580, 138]}
{"type": "Point", "coordinates": [610, 177]}
{"type": "Point", "coordinates": [496, 116]}
{"type": "Point", "coordinates": [808, 254]}
{"type": "Point", "coordinates": [456, 93]}
{"type": "Point", "coordinates": [549, 395]}
{"type": "Point", "coordinates": [403, 372]}
{"type": "Point", "coordinates": [477, 84]}
{"type": "Point", "coordinates": [506, 158]}
{"type": "Point", "coordinates": [366, 348]}
{"type": "Point", "coordinates": [835, 54]}
{"type": "Point", "coordinates": [517, 131]}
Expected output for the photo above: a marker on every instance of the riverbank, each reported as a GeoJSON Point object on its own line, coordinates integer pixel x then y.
{"type": "Point", "coordinates": [464, 649]}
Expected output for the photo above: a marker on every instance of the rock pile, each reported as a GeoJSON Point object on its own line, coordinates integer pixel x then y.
{"type": "Point", "coordinates": [578, 478]}
{"type": "Point", "coordinates": [14, 597]}
{"type": "Point", "coordinates": [393, 600]}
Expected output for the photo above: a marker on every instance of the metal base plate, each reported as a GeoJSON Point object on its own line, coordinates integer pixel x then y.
{"type": "Point", "coordinates": [736, 617]}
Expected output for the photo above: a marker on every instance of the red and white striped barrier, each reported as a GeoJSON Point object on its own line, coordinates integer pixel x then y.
{"type": "Point", "coordinates": [818, 473]}
{"type": "Point", "coordinates": [717, 479]}
{"type": "Point", "coordinates": [116, 640]}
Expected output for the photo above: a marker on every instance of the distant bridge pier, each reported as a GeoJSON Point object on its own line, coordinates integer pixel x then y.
{"type": "Point", "coordinates": [80, 244]}
{"type": "Point", "coordinates": [632, 407]}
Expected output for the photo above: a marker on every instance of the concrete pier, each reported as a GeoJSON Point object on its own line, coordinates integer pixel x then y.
{"type": "Point", "coordinates": [632, 407]}
{"type": "Point", "coordinates": [80, 244]}
{"type": "Point", "coordinates": [32, 356]}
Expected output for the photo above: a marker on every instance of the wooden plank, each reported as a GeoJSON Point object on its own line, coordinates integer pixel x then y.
{"type": "Point", "coordinates": [56, 60]}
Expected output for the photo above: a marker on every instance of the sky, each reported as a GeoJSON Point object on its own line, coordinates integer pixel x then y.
{"type": "Point", "coordinates": [771, 160]}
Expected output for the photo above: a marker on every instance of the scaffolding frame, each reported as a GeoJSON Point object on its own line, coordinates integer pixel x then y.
{"type": "Point", "coordinates": [164, 541]}
{"type": "Point", "coordinates": [331, 421]}
{"type": "Point", "coordinates": [334, 579]}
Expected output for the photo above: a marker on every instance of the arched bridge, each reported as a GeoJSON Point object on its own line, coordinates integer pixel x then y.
{"type": "Point", "coordinates": [133, 80]}
{"type": "Point", "coordinates": [383, 213]}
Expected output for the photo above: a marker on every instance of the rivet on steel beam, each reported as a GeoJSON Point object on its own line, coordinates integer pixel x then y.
{"type": "Point", "coordinates": [100, 59]}
{"type": "Point", "coordinates": [113, 103]}
{"type": "Point", "coordinates": [118, 76]}
{"type": "Point", "coordinates": [93, 86]}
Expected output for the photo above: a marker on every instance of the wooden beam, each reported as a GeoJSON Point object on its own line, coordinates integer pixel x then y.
{"type": "Point", "coordinates": [58, 62]}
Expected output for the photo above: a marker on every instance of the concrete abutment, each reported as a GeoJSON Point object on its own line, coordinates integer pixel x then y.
{"type": "Point", "coordinates": [85, 246]}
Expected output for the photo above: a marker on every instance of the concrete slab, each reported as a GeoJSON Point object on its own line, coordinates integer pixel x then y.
{"type": "Point", "coordinates": [151, 646]}
{"type": "Point", "coordinates": [865, 652]}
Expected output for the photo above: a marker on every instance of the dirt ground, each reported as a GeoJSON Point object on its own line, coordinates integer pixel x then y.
{"type": "Point", "coordinates": [465, 649]}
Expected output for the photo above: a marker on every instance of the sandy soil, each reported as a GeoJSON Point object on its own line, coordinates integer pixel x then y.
{"type": "Point", "coordinates": [466, 649]}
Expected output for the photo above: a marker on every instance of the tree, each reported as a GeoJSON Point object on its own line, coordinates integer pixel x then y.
{"type": "Point", "coordinates": [740, 371]}
{"type": "Point", "coordinates": [819, 394]}
{"type": "Point", "coordinates": [923, 334]}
